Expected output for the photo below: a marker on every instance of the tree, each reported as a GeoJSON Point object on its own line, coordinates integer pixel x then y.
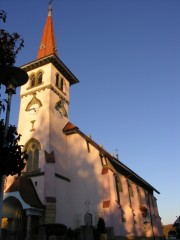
{"type": "Point", "coordinates": [12, 158]}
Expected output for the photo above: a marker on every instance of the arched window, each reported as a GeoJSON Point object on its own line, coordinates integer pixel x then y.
{"type": "Point", "coordinates": [119, 188]}
{"type": "Point", "coordinates": [139, 195]}
{"type": "Point", "coordinates": [39, 78]}
{"type": "Point", "coordinates": [57, 80]}
{"type": "Point", "coordinates": [33, 78]}
{"type": "Point", "coordinates": [32, 148]}
{"type": "Point", "coordinates": [62, 85]}
{"type": "Point", "coordinates": [36, 79]}
{"type": "Point", "coordinates": [130, 189]}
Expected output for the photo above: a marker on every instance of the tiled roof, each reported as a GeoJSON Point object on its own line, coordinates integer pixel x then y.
{"type": "Point", "coordinates": [48, 41]}
{"type": "Point", "coordinates": [47, 52]}
{"type": "Point", "coordinates": [52, 58]}
{"type": "Point", "coordinates": [70, 128]}
{"type": "Point", "coordinates": [27, 191]}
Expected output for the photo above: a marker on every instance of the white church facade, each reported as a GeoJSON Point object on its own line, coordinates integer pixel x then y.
{"type": "Point", "coordinates": [69, 179]}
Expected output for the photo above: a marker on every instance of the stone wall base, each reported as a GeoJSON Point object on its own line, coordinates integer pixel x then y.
{"type": "Point", "coordinates": [50, 213]}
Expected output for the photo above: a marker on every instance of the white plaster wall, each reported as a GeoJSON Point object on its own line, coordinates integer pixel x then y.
{"type": "Point", "coordinates": [38, 183]}
{"type": "Point", "coordinates": [64, 202]}
{"type": "Point", "coordinates": [48, 126]}
{"type": "Point", "coordinates": [47, 78]}
{"type": "Point", "coordinates": [116, 218]}
{"type": "Point", "coordinates": [41, 124]}
{"type": "Point", "coordinates": [87, 183]}
{"type": "Point", "coordinates": [56, 137]}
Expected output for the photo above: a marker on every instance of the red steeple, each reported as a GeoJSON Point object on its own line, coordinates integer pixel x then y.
{"type": "Point", "coordinates": [48, 42]}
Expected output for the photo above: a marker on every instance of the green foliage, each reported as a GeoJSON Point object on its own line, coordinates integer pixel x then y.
{"type": "Point", "coordinates": [12, 158]}
{"type": "Point", "coordinates": [10, 44]}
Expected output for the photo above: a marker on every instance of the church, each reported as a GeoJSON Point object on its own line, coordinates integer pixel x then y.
{"type": "Point", "coordinates": [71, 187]}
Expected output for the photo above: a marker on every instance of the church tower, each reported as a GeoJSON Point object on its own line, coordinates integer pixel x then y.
{"type": "Point", "coordinates": [69, 179]}
{"type": "Point", "coordinates": [43, 114]}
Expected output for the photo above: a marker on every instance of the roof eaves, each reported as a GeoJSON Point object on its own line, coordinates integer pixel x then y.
{"type": "Point", "coordinates": [116, 163]}
{"type": "Point", "coordinates": [131, 174]}
{"type": "Point", "coordinates": [52, 58]}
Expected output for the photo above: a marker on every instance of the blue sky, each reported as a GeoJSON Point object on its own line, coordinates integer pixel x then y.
{"type": "Point", "coordinates": [126, 55]}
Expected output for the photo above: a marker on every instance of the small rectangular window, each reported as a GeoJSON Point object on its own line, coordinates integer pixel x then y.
{"type": "Point", "coordinates": [88, 147]}
{"type": "Point", "coordinates": [103, 160]}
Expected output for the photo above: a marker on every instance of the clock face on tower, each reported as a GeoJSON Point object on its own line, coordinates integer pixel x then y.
{"type": "Point", "coordinates": [59, 106]}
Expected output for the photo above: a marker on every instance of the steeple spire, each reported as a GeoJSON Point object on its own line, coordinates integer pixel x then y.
{"type": "Point", "coordinates": [50, 8]}
{"type": "Point", "coordinates": [48, 41]}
